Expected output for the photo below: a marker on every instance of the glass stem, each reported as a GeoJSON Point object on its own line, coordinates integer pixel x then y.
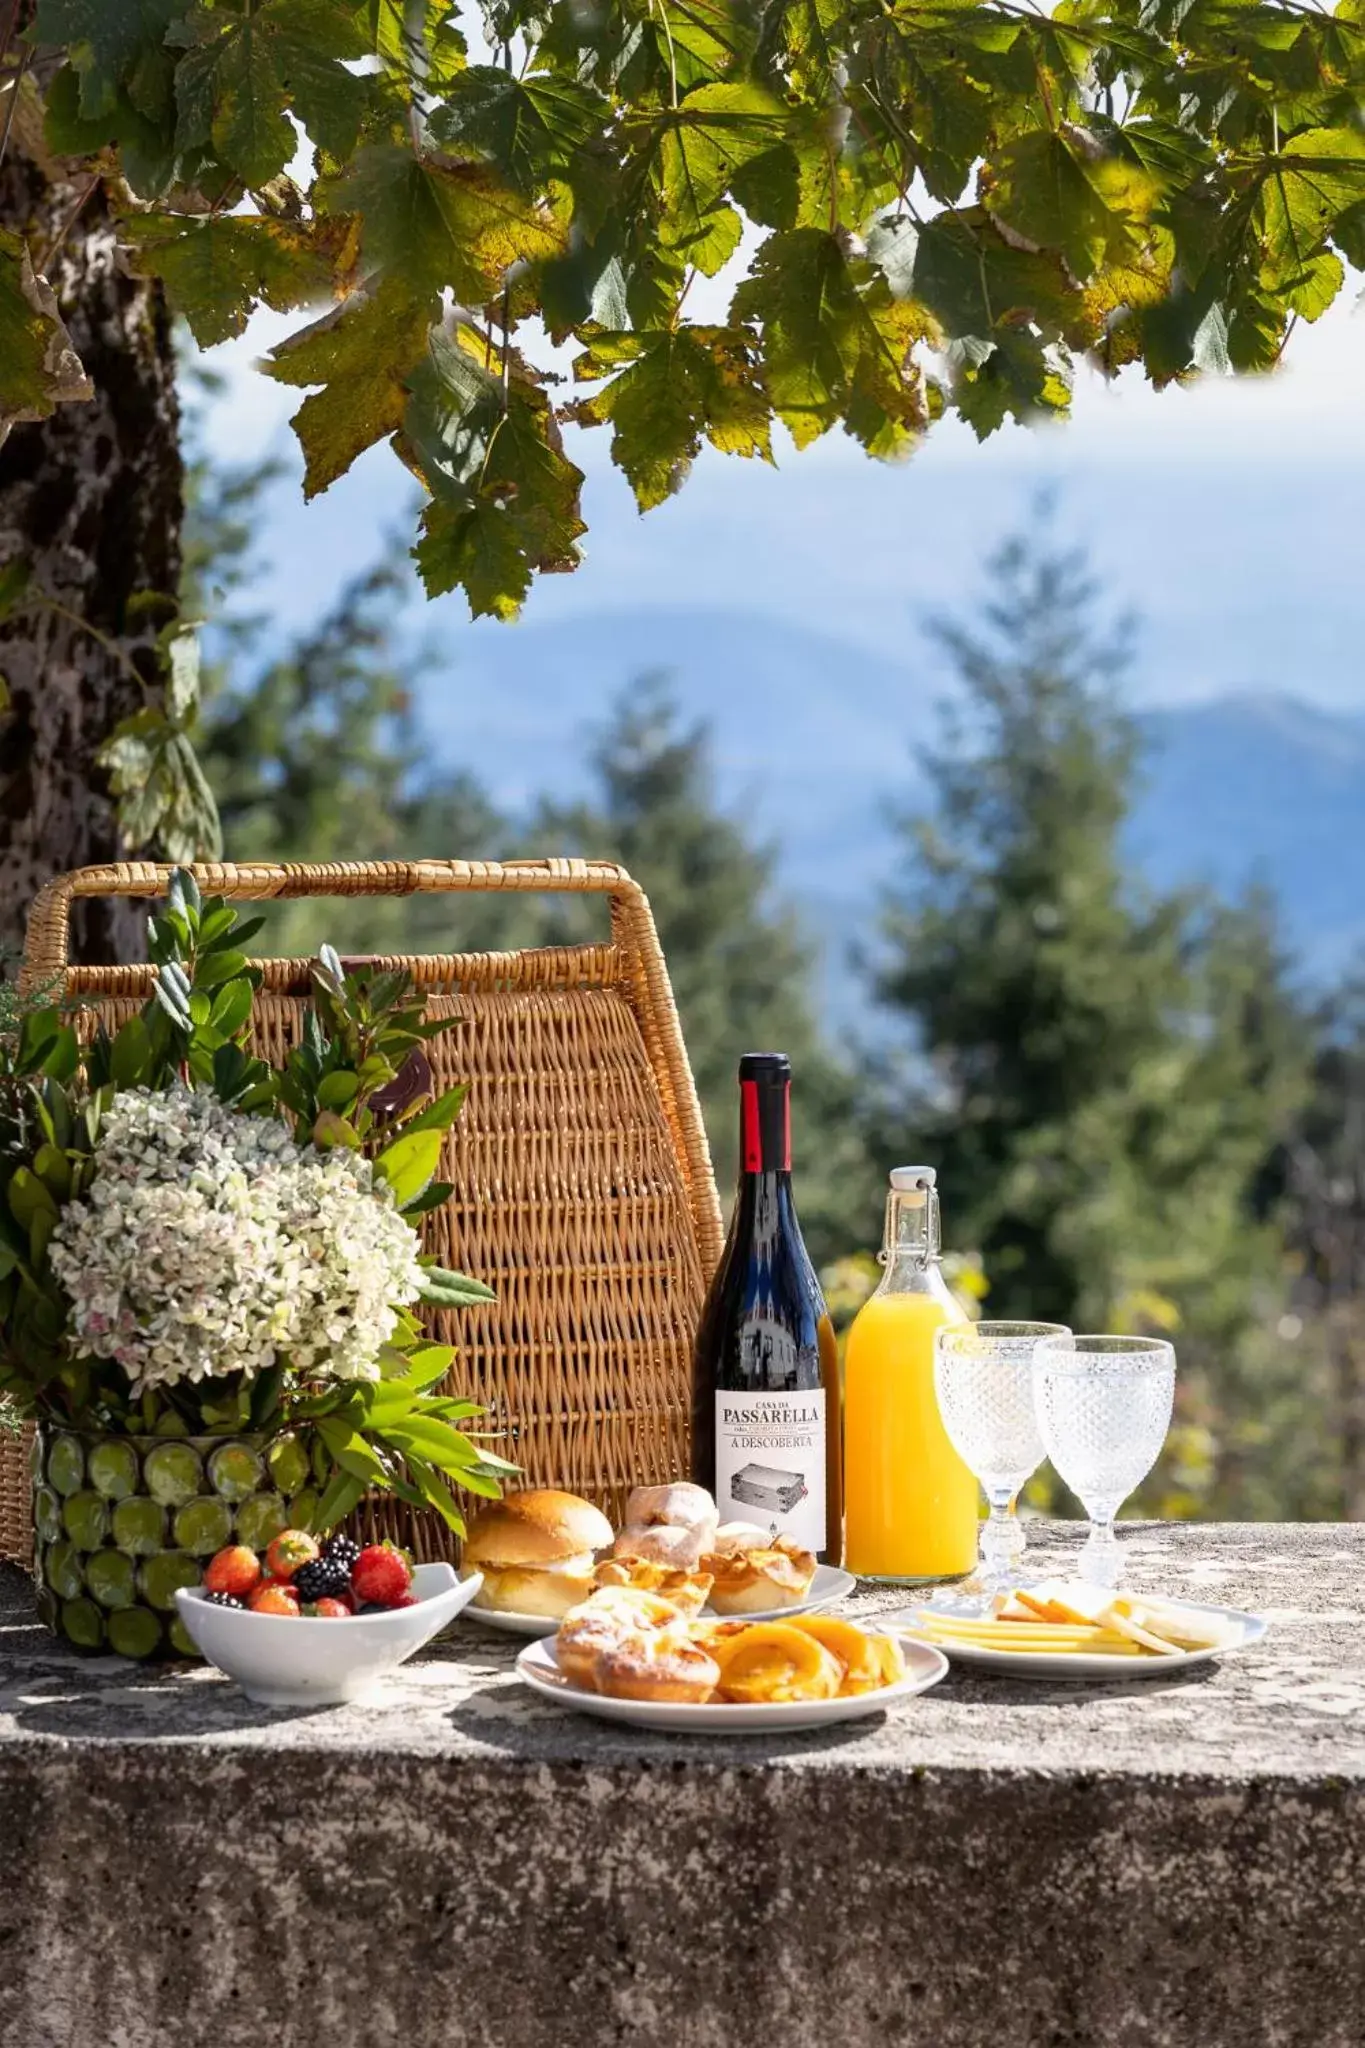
{"type": "Point", "coordinates": [998, 1535]}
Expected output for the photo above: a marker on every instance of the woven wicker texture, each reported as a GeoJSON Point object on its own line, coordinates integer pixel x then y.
{"type": "Point", "coordinates": [583, 1185]}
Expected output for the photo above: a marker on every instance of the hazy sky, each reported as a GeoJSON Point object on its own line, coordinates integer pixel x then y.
{"type": "Point", "coordinates": [1231, 515]}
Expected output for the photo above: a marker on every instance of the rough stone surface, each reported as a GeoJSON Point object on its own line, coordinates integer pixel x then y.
{"type": "Point", "coordinates": [1137, 1864]}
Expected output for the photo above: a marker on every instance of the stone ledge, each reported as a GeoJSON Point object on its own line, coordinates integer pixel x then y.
{"type": "Point", "coordinates": [1121, 1866]}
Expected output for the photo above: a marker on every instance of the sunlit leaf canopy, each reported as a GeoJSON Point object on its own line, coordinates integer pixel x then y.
{"type": "Point", "coordinates": [906, 207]}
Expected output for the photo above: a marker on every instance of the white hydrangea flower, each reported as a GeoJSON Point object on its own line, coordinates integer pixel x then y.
{"type": "Point", "coordinates": [211, 1244]}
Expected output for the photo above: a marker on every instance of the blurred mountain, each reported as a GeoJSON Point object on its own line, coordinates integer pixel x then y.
{"type": "Point", "coordinates": [815, 737]}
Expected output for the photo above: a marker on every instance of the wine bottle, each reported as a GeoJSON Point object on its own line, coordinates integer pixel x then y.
{"type": "Point", "coordinates": [765, 1381]}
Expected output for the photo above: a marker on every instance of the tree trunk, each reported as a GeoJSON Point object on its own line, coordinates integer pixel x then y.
{"type": "Point", "coordinates": [91, 501]}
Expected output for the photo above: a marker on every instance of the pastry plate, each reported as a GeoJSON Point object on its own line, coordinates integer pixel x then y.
{"type": "Point", "coordinates": [1076, 1664]}
{"type": "Point", "coordinates": [828, 1586]}
{"type": "Point", "coordinates": [537, 1666]}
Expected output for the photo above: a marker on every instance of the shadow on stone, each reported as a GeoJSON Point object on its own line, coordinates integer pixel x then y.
{"type": "Point", "coordinates": [1001, 1688]}
{"type": "Point", "coordinates": [109, 1700]}
{"type": "Point", "coordinates": [509, 1717]}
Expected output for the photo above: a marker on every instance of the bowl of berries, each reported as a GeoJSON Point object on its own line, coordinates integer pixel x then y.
{"type": "Point", "coordinates": [261, 1619]}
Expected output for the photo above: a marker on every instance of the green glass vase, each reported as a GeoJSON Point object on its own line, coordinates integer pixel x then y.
{"type": "Point", "coordinates": [120, 1522]}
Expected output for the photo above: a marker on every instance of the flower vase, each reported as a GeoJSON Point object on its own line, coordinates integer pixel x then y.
{"type": "Point", "coordinates": [121, 1522]}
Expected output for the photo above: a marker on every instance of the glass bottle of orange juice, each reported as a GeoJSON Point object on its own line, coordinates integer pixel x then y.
{"type": "Point", "coordinates": [909, 1501]}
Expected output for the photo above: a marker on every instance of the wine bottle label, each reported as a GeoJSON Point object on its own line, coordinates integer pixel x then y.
{"type": "Point", "coordinates": [770, 1463]}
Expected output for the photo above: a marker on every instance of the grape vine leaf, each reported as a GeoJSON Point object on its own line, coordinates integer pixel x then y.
{"type": "Point", "coordinates": [218, 269]}
{"type": "Point", "coordinates": [240, 73]}
{"type": "Point", "coordinates": [506, 499]}
{"type": "Point", "coordinates": [108, 46]}
{"type": "Point", "coordinates": [714, 133]}
{"type": "Point", "coordinates": [1317, 176]}
{"type": "Point", "coordinates": [834, 338]}
{"type": "Point", "coordinates": [362, 355]}
{"type": "Point", "coordinates": [441, 225]}
{"type": "Point", "coordinates": [529, 129]}
{"type": "Point", "coordinates": [670, 390]}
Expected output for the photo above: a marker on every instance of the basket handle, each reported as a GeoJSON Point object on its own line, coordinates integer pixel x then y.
{"type": "Point", "coordinates": [47, 949]}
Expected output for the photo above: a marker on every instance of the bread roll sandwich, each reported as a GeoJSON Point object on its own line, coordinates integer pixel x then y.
{"type": "Point", "coordinates": [537, 1552]}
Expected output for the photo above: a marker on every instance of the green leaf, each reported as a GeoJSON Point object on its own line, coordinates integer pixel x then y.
{"type": "Point", "coordinates": [30, 1202]}
{"type": "Point", "coordinates": [62, 1055]}
{"type": "Point", "coordinates": [674, 389]}
{"type": "Point", "coordinates": [440, 226]}
{"type": "Point", "coordinates": [835, 345]}
{"type": "Point", "coordinates": [131, 1057]}
{"type": "Point", "coordinates": [437, 1442]}
{"type": "Point", "coordinates": [409, 1163]}
{"type": "Point", "coordinates": [453, 1290]}
{"type": "Point", "coordinates": [1040, 190]}
{"type": "Point", "coordinates": [1318, 177]}
{"type": "Point", "coordinates": [341, 1496]}
{"type": "Point", "coordinates": [429, 1363]}
{"type": "Point", "coordinates": [435, 1493]}
{"type": "Point", "coordinates": [241, 72]}
{"type": "Point", "coordinates": [433, 1197]}
{"type": "Point", "coordinates": [362, 355]}
{"type": "Point", "coordinates": [231, 1007]}
{"type": "Point", "coordinates": [15, 577]}
{"type": "Point", "coordinates": [338, 1090]}
{"type": "Point", "coordinates": [415, 40]}
{"type": "Point", "coordinates": [528, 128]}
{"type": "Point", "coordinates": [352, 1452]}
{"type": "Point", "coordinates": [230, 98]}
{"type": "Point", "coordinates": [213, 969]}
{"type": "Point", "coordinates": [440, 1114]}
{"type": "Point", "coordinates": [217, 271]}
{"type": "Point", "coordinates": [105, 44]}
{"type": "Point", "coordinates": [506, 496]}
{"type": "Point", "coordinates": [1018, 377]}
{"type": "Point", "coordinates": [714, 133]}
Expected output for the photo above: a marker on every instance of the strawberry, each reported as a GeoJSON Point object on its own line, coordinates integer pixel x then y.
{"type": "Point", "coordinates": [274, 1599]}
{"type": "Point", "coordinates": [381, 1575]}
{"type": "Point", "coordinates": [288, 1550]}
{"type": "Point", "coordinates": [235, 1570]}
{"type": "Point", "coordinates": [328, 1609]}
{"type": "Point", "coordinates": [408, 1600]}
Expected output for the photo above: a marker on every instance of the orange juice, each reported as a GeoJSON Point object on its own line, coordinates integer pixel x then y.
{"type": "Point", "coordinates": [909, 1501]}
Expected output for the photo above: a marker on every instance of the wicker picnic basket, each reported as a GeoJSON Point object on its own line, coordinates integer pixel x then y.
{"type": "Point", "coordinates": [583, 1185]}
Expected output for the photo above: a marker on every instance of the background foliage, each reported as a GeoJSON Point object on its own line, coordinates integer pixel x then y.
{"type": "Point", "coordinates": [916, 206]}
{"type": "Point", "coordinates": [1141, 1119]}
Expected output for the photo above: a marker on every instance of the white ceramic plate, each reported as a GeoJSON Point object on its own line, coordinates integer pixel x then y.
{"type": "Point", "coordinates": [284, 1660]}
{"type": "Point", "coordinates": [828, 1586]}
{"type": "Point", "coordinates": [537, 1666]}
{"type": "Point", "coordinates": [1077, 1664]}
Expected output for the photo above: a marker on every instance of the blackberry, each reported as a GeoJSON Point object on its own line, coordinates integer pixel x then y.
{"type": "Point", "coordinates": [324, 1577]}
{"type": "Point", "coordinates": [223, 1600]}
{"type": "Point", "coordinates": [343, 1547]}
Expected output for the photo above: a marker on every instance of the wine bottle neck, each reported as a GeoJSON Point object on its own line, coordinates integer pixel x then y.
{"type": "Point", "coordinates": [765, 1129]}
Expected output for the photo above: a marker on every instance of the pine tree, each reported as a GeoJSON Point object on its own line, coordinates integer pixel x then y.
{"type": "Point", "coordinates": [740, 965]}
{"type": "Point", "coordinates": [1099, 1073]}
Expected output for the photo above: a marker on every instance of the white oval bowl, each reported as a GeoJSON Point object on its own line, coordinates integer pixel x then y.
{"type": "Point", "coordinates": [283, 1661]}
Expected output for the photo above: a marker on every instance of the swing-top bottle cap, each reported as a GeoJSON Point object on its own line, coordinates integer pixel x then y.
{"type": "Point", "coordinates": [911, 1180]}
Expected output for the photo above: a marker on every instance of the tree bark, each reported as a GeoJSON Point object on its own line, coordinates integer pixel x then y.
{"type": "Point", "coordinates": [91, 500]}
